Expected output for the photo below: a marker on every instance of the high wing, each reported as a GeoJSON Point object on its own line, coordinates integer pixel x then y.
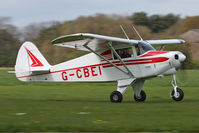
{"type": "Point", "coordinates": [96, 42]}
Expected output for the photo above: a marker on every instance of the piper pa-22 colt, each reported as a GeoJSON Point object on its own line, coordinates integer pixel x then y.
{"type": "Point", "coordinates": [129, 62]}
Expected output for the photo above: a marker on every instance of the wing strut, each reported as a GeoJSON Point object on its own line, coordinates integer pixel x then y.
{"type": "Point", "coordinates": [85, 45]}
{"type": "Point", "coordinates": [116, 54]}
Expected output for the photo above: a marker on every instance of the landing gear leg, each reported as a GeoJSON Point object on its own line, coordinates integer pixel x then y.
{"type": "Point", "coordinates": [123, 85]}
{"type": "Point", "coordinates": [176, 93]}
{"type": "Point", "coordinates": [140, 95]}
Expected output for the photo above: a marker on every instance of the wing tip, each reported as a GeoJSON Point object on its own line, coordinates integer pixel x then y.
{"type": "Point", "coordinates": [182, 41]}
{"type": "Point", "coordinates": [61, 38]}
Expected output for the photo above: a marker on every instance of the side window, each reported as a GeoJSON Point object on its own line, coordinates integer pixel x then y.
{"type": "Point", "coordinates": [137, 50]}
{"type": "Point", "coordinates": [124, 53]}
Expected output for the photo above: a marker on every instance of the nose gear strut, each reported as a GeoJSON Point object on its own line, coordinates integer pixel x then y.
{"type": "Point", "coordinates": [176, 93]}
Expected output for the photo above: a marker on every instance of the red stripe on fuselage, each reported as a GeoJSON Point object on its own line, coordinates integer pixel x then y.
{"type": "Point", "coordinates": [153, 53]}
{"type": "Point", "coordinates": [106, 65]}
{"type": "Point", "coordinates": [140, 61]}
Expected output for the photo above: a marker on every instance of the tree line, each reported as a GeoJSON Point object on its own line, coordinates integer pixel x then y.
{"type": "Point", "coordinates": [150, 27]}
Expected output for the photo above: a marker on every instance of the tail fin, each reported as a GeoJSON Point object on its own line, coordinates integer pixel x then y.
{"type": "Point", "coordinates": [30, 61]}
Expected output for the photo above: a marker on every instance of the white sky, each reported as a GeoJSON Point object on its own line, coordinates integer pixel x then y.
{"type": "Point", "coordinates": [24, 12]}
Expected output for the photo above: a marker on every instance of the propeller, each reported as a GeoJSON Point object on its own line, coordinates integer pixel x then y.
{"type": "Point", "coordinates": [182, 74]}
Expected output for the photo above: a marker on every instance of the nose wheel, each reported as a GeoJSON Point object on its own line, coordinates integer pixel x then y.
{"type": "Point", "coordinates": [177, 94]}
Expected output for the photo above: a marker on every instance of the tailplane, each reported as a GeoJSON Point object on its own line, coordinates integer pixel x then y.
{"type": "Point", "coordinates": [30, 61]}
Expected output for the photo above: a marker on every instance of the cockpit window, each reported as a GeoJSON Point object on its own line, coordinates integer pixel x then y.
{"type": "Point", "coordinates": [144, 46]}
{"type": "Point", "coordinates": [124, 53]}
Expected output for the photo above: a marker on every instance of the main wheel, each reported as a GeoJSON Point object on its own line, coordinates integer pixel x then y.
{"type": "Point", "coordinates": [141, 98]}
{"type": "Point", "coordinates": [179, 96]}
{"type": "Point", "coordinates": [116, 97]}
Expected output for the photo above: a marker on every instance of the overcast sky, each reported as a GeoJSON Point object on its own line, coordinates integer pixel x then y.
{"type": "Point", "coordinates": [24, 12]}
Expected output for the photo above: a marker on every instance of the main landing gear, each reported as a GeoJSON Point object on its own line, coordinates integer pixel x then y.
{"type": "Point", "coordinates": [176, 93]}
{"type": "Point", "coordinates": [116, 97]}
{"type": "Point", "coordinates": [123, 85]}
{"type": "Point", "coordinates": [141, 97]}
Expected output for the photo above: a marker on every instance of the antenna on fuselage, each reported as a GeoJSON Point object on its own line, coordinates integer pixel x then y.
{"type": "Point", "coordinates": [137, 33]}
{"type": "Point", "coordinates": [124, 32]}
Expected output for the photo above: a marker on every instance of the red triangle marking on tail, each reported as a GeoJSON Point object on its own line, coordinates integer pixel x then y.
{"type": "Point", "coordinates": [35, 61]}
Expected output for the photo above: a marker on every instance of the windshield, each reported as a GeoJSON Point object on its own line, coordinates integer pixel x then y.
{"type": "Point", "coordinates": [145, 46]}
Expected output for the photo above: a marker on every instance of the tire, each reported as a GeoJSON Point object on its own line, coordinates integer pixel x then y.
{"type": "Point", "coordinates": [142, 97]}
{"type": "Point", "coordinates": [116, 97]}
{"type": "Point", "coordinates": [180, 95]}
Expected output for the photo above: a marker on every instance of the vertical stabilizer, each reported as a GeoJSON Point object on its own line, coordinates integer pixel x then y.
{"type": "Point", "coordinates": [30, 61]}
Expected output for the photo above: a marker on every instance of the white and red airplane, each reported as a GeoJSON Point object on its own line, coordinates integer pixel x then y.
{"type": "Point", "coordinates": [129, 62]}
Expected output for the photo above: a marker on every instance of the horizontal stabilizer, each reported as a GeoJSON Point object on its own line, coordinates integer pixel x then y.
{"type": "Point", "coordinates": [11, 72]}
{"type": "Point", "coordinates": [30, 72]}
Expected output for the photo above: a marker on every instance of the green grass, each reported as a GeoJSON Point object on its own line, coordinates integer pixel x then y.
{"type": "Point", "coordinates": [58, 106]}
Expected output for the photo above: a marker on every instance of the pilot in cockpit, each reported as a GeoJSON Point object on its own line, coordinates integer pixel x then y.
{"type": "Point", "coordinates": [124, 53]}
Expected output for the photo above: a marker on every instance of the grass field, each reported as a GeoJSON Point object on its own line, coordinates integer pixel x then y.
{"type": "Point", "coordinates": [86, 106]}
